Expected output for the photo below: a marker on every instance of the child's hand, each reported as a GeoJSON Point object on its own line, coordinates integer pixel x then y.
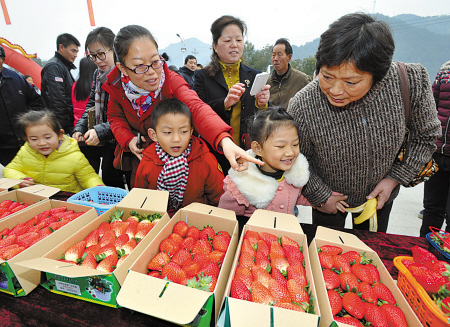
{"type": "Point", "coordinates": [27, 181]}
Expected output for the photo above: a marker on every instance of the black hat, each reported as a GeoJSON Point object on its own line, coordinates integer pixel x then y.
{"type": "Point", "coordinates": [2, 52]}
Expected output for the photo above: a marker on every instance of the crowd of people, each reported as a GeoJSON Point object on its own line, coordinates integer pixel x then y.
{"type": "Point", "coordinates": [330, 142]}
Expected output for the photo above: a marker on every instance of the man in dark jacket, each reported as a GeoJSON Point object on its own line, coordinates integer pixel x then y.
{"type": "Point", "coordinates": [187, 71]}
{"type": "Point", "coordinates": [16, 97]}
{"type": "Point", "coordinates": [56, 84]}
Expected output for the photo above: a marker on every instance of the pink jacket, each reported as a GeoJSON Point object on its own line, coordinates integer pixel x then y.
{"type": "Point", "coordinates": [250, 190]}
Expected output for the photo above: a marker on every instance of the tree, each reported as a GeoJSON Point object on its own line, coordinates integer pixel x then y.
{"type": "Point", "coordinates": [39, 61]}
{"type": "Point", "coordinates": [257, 59]}
{"type": "Point", "coordinates": [306, 65]}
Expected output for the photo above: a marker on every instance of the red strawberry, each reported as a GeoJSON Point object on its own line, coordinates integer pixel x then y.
{"type": "Point", "coordinates": [289, 306]}
{"type": "Point", "coordinates": [245, 275]}
{"type": "Point", "coordinates": [384, 293]}
{"type": "Point", "coordinates": [41, 237]}
{"type": "Point", "coordinates": [252, 237]}
{"type": "Point", "coordinates": [331, 249]}
{"type": "Point", "coordinates": [293, 253]}
{"type": "Point", "coordinates": [103, 228]}
{"type": "Point", "coordinates": [246, 260]}
{"type": "Point", "coordinates": [260, 294]}
{"type": "Point", "coordinates": [262, 261]}
{"type": "Point", "coordinates": [406, 263]}
{"type": "Point", "coordinates": [89, 261]}
{"type": "Point", "coordinates": [10, 239]}
{"type": "Point", "coordinates": [75, 252]}
{"type": "Point", "coordinates": [4, 233]}
{"type": "Point", "coordinates": [326, 260]}
{"type": "Point", "coordinates": [122, 259]}
{"type": "Point", "coordinates": [152, 273]}
{"type": "Point", "coordinates": [431, 281]}
{"type": "Point", "coordinates": [262, 247]}
{"type": "Point", "coordinates": [26, 239]}
{"type": "Point", "coordinates": [142, 229]}
{"type": "Point", "coordinates": [121, 240]}
{"type": "Point", "coordinates": [42, 215]}
{"type": "Point", "coordinates": [127, 247]}
{"type": "Point", "coordinates": [132, 227]}
{"type": "Point", "coordinates": [335, 301]}
{"type": "Point", "coordinates": [19, 229]}
{"type": "Point", "coordinates": [297, 292]}
{"type": "Point", "coordinates": [352, 257]}
{"type": "Point", "coordinates": [287, 241]}
{"type": "Point", "coordinates": [109, 237]}
{"type": "Point", "coordinates": [106, 251]}
{"type": "Point", "coordinates": [193, 232]}
{"type": "Point", "coordinates": [201, 258]}
{"type": "Point", "coordinates": [202, 246]}
{"type": "Point", "coordinates": [240, 291]}
{"type": "Point", "coordinates": [109, 263]}
{"type": "Point", "coordinates": [31, 222]}
{"type": "Point", "coordinates": [340, 263]}
{"type": "Point", "coordinates": [349, 282]}
{"type": "Point", "coordinates": [168, 246]}
{"type": "Point", "coordinates": [331, 279]}
{"type": "Point", "coordinates": [210, 269]}
{"type": "Point", "coordinates": [6, 248]}
{"type": "Point", "coordinates": [45, 232]}
{"type": "Point", "coordinates": [276, 251]}
{"type": "Point", "coordinates": [221, 242]}
{"type": "Point", "coordinates": [13, 205]}
{"type": "Point", "coordinates": [174, 273]}
{"type": "Point", "coordinates": [18, 208]}
{"type": "Point", "coordinates": [394, 315]}
{"type": "Point", "coordinates": [420, 255]}
{"type": "Point", "coordinates": [368, 293]}
{"type": "Point", "coordinates": [374, 271]}
{"type": "Point", "coordinates": [212, 284]}
{"type": "Point", "coordinates": [92, 238]}
{"type": "Point", "coordinates": [247, 247]}
{"type": "Point", "coordinates": [278, 291]}
{"type": "Point", "coordinates": [349, 321]}
{"type": "Point", "coordinates": [191, 269]}
{"type": "Point", "coordinates": [363, 273]}
{"type": "Point", "coordinates": [268, 238]}
{"type": "Point", "coordinates": [6, 203]}
{"type": "Point", "coordinates": [217, 257]}
{"type": "Point", "coordinates": [57, 225]}
{"type": "Point", "coordinates": [9, 254]}
{"type": "Point", "coordinates": [278, 276]}
{"type": "Point", "coordinates": [176, 238]}
{"type": "Point", "coordinates": [298, 275]}
{"type": "Point", "coordinates": [120, 228]}
{"type": "Point", "coordinates": [182, 257]}
{"type": "Point", "coordinates": [58, 209]}
{"type": "Point", "coordinates": [188, 243]}
{"type": "Point", "coordinates": [439, 266]}
{"type": "Point", "coordinates": [261, 275]}
{"type": "Point", "coordinates": [207, 233]}
{"type": "Point", "coordinates": [353, 304]}
{"type": "Point", "coordinates": [181, 228]}
{"type": "Point", "coordinates": [374, 315]}
{"type": "Point", "coordinates": [281, 264]}
{"type": "Point", "coordinates": [158, 261]}
{"type": "Point", "coordinates": [94, 249]}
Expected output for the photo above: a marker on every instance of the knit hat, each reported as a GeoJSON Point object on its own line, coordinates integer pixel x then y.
{"type": "Point", "coordinates": [2, 52]}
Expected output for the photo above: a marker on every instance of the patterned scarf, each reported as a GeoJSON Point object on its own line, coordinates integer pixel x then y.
{"type": "Point", "coordinates": [100, 95]}
{"type": "Point", "coordinates": [140, 99]}
{"type": "Point", "coordinates": [173, 176]}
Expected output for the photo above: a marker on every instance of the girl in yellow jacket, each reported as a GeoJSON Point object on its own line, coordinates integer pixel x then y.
{"type": "Point", "coordinates": [49, 157]}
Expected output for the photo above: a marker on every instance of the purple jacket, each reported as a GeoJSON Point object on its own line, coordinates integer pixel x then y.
{"type": "Point", "coordinates": [441, 92]}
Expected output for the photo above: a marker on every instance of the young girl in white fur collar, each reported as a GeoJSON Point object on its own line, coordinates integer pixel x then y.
{"type": "Point", "coordinates": [276, 185]}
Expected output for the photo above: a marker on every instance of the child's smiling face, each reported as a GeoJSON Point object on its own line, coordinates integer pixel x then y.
{"type": "Point", "coordinates": [280, 150]}
{"type": "Point", "coordinates": [43, 139]}
{"type": "Point", "coordinates": [173, 132]}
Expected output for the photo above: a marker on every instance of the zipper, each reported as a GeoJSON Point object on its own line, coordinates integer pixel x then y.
{"type": "Point", "coordinates": [369, 145]}
{"type": "Point", "coordinates": [279, 92]}
{"type": "Point", "coordinates": [445, 135]}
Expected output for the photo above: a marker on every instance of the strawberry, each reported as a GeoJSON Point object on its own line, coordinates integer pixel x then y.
{"type": "Point", "coordinates": [36, 228]}
{"type": "Point", "coordinates": [6, 203]}
{"type": "Point", "coordinates": [13, 205]}
{"type": "Point", "coordinates": [56, 210]}
{"type": "Point", "coordinates": [127, 247]}
{"type": "Point", "coordinates": [174, 273]}
{"type": "Point", "coordinates": [18, 208]}
{"type": "Point", "coordinates": [281, 264]}
{"type": "Point", "coordinates": [75, 252]}
{"type": "Point", "coordinates": [217, 257]}
{"type": "Point", "coordinates": [289, 306]}
{"type": "Point", "coordinates": [368, 293]}
{"type": "Point", "coordinates": [439, 266]}
{"type": "Point", "coordinates": [212, 284]}
{"type": "Point", "coordinates": [94, 249]}
{"type": "Point", "coordinates": [109, 237]}
{"type": "Point", "coordinates": [3, 233]}
{"type": "Point", "coordinates": [260, 294]}
{"type": "Point", "coordinates": [375, 315]}
{"type": "Point", "coordinates": [188, 243]}
{"type": "Point", "coordinates": [240, 291]}
{"type": "Point", "coordinates": [326, 260]}
{"type": "Point", "coordinates": [207, 233]}
{"type": "Point", "coordinates": [176, 238]}
{"type": "Point", "coordinates": [349, 282]}
{"type": "Point", "coordinates": [394, 315]}
{"type": "Point", "coordinates": [278, 291]}
{"type": "Point", "coordinates": [252, 237]}
{"type": "Point", "coordinates": [297, 274]}
{"type": "Point", "coordinates": [19, 229]}
{"type": "Point", "coordinates": [26, 239]}
{"type": "Point", "coordinates": [247, 247]}
{"type": "Point", "coordinates": [168, 246]}
{"type": "Point", "coordinates": [430, 280]}
{"type": "Point", "coordinates": [109, 263]}
{"type": "Point", "coordinates": [261, 275]}
{"type": "Point", "coordinates": [262, 247]}
{"type": "Point", "coordinates": [9, 254]}
{"type": "Point", "coordinates": [374, 271]}
{"type": "Point", "coordinates": [363, 273]}
{"type": "Point", "coordinates": [152, 273]}
{"type": "Point", "coordinates": [122, 259]}
{"type": "Point", "coordinates": [142, 229]}
{"type": "Point", "coordinates": [106, 251]}
{"type": "Point", "coordinates": [384, 293]}
{"type": "Point", "coordinates": [57, 225]}
{"type": "Point", "coordinates": [193, 232]}
{"type": "Point", "coordinates": [349, 321]}
{"type": "Point", "coordinates": [353, 304]}
{"type": "Point", "coordinates": [221, 242]}
{"type": "Point", "coordinates": [10, 239]}
{"type": "Point", "coordinates": [331, 279]}
{"type": "Point", "coordinates": [331, 249]}
{"type": "Point", "coordinates": [121, 240]}
{"type": "Point", "coordinates": [41, 237]}
{"type": "Point", "coordinates": [287, 241]}
{"type": "Point", "coordinates": [335, 301]}
{"type": "Point", "coordinates": [210, 269]}
{"type": "Point", "coordinates": [120, 228]}
{"type": "Point", "coordinates": [245, 275]}
{"type": "Point", "coordinates": [132, 227]}
{"type": "Point", "coordinates": [246, 260]}
{"type": "Point", "coordinates": [201, 246]}
{"type": "Point", "coordinates": [103, 228]}
{"type": "Point", "coordinates": [42, 215]}
{"type": "Point", "coordinates": [262, 261]}
{"type": "Point", "coordinates": [420, 255]}
{"type": "Point", "coordinates": [276, 250]}
{"type": "Point", "coordinates": [444, 304]}
{"type": "Point", "coordinates": [31, 222]}
{"type": "Point", "coordinates": [191, 269]}
{"type": "Point", "coordinates": [268, 238]}
{"type": "Point", "coordinates": [182, 257]}
{"type": "Point", "coordinates": [158, 261]}
{"type": "Point", "coordinates": [89, 261]}
{"type": "Point", "coordinates": [6, 248]}
{"type": "Point", "coordinates": [201, 258]}
{"type": "Point", "coordinates": [181, 228]}
{"type": "Point", "coordinates": [406, 263]}
{"type": "Point", "coordinates": [352, 257]}
{"type": "Point", "coordinates": [293, 253]}
{"type": "Point", "coordinates": [297, 292]}
{"type": "Point", "coordinates": [340, 263]}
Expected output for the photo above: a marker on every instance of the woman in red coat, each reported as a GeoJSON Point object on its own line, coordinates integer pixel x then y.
{"type": "Point", "coordinates": [139, 81]}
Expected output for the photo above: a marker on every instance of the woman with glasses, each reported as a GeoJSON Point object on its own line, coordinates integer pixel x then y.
{"type": "Point", "coordinates": [140, 80]}
{"type": "Point", "coordinates": [93, 129]}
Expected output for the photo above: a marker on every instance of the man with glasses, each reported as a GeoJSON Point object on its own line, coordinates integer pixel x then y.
{"type": "Point", "coordinates": [56, 84]}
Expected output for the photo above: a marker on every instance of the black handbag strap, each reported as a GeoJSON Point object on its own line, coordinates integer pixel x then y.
{"type": "Point", "coordinates": [404, 86]}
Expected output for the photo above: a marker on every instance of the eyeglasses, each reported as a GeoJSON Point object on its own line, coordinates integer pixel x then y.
{"type": "Point", "coordinates": [142, 69]}
{"type": "Point", "coordinates": [99, 56]}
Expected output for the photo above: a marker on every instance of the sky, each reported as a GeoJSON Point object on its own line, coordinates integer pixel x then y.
{"type": "Point", "coordinates": [35, 24]}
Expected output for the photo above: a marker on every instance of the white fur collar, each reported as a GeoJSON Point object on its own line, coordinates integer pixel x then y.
{"type": "Point", "coordinates": [260, 189]}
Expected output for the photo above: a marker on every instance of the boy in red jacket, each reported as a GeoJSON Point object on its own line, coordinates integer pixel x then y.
{"type": "Point", "coordinates": [177, 161]}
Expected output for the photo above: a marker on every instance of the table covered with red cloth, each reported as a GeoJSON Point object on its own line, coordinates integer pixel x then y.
{"type": "Point", "coordinates": [44, 308]}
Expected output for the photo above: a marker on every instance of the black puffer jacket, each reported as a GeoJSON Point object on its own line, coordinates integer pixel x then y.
{"type": "Point", "coordinates": [57, 90]}
{"type": "Point", "coordinates": [103, 130]}
{"type": "Point", "coordinates": [188, 75]}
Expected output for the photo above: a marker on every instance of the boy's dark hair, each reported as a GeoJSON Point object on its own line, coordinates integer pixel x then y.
{"type": "Point", "coordinates": [287, 45]}
{"type": "Point", "coordinates": [189, 57]}
{"type": "Point", "coordinates": [268, 121]}
{"type": "Point", "coordinates": [126, 36]}
{"type": "Point", "coordinates": [359, 39]}
{"type": "Point", "coordinates": [66, 39]}
{"type": "Point", "coordinates": [38, 117]}
{"type": "Point", "coordinates": [169, 106]}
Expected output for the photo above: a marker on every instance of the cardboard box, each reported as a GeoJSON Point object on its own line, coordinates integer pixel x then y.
{"type": "Point", "coordinates": [7, 183]}
{"type": "Point", "coordinates": [84, 283]}
{"type": "Point", "coordinates": [173, 302]}
{"type": "Point", "coordinates": [235, 312]}
{"type": "Point", "coordinates": [349, 242]}
{"type": "Point", "coordinates": [38, 194]}
{"type": "Point", "coordinates": [22, 280]}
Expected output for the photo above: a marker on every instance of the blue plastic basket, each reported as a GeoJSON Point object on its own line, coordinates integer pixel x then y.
{"type": "Point", "coordinates": [437, 247]}
{"type": "Point", "coordinates": [96, 196]}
